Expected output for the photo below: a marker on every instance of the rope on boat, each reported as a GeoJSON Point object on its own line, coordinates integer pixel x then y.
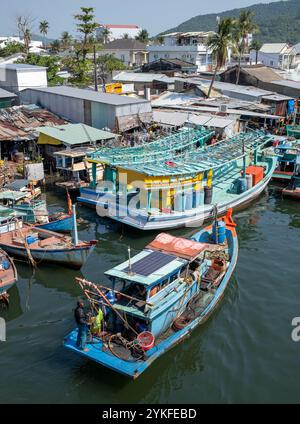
{"type": "Point", "coordinates": [31, 260]}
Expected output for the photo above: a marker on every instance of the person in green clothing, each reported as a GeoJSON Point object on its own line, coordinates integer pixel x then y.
{"type": "Point", "coordinates": [97, 323]}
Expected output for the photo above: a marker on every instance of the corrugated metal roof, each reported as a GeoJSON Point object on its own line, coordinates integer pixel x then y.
{"type": "Point", "coordinates": [6, 94]}
{"type": "Point", "coordinates": [20, 122]}
{"type": "Point", "coordinates": [73, 134]}
{"type": "Point", "coordinates": [93, 96]}
{"type": "Point", "coordinates": [142, 77]}
{"type": "Point", "coordinates": [22, 67]}
{"type": "Point", "coordinates": [273, 47]}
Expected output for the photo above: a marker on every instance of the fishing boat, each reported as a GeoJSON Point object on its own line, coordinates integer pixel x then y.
{"type": "Point", "coordinates": [157, 298]}
{"type": "Point", "coordinates": [293, 189]}
{"type": "Point", "coordinates": [24, 186]}
{"type": "Point", "coordinates": [182, 192]}
{"type": "Point", "coordinates": [41, 246]}
{"type": "Point", "coordinates": [8, 275]}
{"type": "Point", "coordinates": [286, 151]}
{"type": "Point", "coordinates": [35, 212]}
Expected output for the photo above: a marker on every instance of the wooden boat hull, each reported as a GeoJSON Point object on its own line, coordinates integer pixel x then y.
{"type": "Point", "coordinates": [192, 218]}
{"type": "Point", "coordinates": [63, 225]}
{"type": "Point", "coordinates": [135, 369]}
{"type": "Point", "coordinates": [72, 258]}
{"type": "Point", "coordinates": [8, 278]}
{"type": "Point", "coordinates": [294, 194]}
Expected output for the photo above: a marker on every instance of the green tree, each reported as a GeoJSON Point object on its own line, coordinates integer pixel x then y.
{"type": "Point", "coordinates": [12, 48]}
{"type": "Point", "coordinates": [219, 44]}
{"type": "Point", "coordinates": [244, 26]}
{"type": "Point", "coordinates": [44, 28]}
{"type": "Point", "coordinates": [49, 62]}
{"type": "Point", "coordinates": [256, 45]}
{"type": "Point", "coordinates": [86, 26]}
{"type": "Point", "coordinates": [55, 46]}
{"type": "Point", "coordinates": [81, 71]}
{"type": "Point", "coordinates": [107, 64]}
{"type": "Point", "coordinates": [160, 39]}
{"type": "Point", "coordinates": [143, 36]}
{"type": "Point", "coordinates": [125, 36]}
{"type": "Point", "coordinates": [66, 40]}
{"type": "Point", "coordinates": [105, 35]}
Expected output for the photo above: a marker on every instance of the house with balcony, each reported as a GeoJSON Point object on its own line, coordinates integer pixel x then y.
{"type": "Point", "coordinates": [188, 46]}
{"type": "Point", "coordinates": [276, 55]}
{"type": "Point", "coordinates": [131, 52]}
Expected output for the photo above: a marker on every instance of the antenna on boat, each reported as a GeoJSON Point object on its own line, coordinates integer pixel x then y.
{"type": "Point", "coordinates": [129, 261]}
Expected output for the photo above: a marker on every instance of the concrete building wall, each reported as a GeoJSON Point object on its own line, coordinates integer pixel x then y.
{"type": "Point", "coordinates": [17, 80]}
{"type": "Point", "coordinates": [69, 108]}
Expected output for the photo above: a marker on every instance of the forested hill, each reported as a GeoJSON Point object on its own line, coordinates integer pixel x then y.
{"type": "Point", "coordinates": [277, 21]}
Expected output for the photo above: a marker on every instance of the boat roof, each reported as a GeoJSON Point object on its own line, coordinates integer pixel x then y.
{"type": "Point", "coordinates": [211, 157]}
{"type": "Point", "coordinates": [17, 185]}
{"type": "Point", "coordinates": [148, 267]}
{"type": "Point", "coordinates": [12, 195]}
{"type": "Point", "coordinates": [6, 213]}
{"type": "Point", "coordinates": [177, 246]}
{"type": "Point", "coordinates": [152, 152]}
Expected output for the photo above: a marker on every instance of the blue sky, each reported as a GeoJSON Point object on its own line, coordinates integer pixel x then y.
{"type": "Point", "coordinates": [154, 15]}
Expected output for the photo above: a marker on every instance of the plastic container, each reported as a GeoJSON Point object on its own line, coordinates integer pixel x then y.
{"type": "Point", "coordinates": [179, 201]}
{"type": "Point", "coordinates": [219, 232]}
{"type": "Point", "coordinates": [249, 182]}
{"type": "Point", "coordinates": [111, 297]}
{"type": "Point", "coordinates": [208, 195]}
{"type": "Point", "coordinates": [5, 264]}
{"type": "Point", "coordinates": [188, 195]}
{"type": "Point", "coordinates": [31, 239]}
{"type": "Point", "coordinates": [242, 185]}
{"type": "Point", "coordinates": [146, 340]}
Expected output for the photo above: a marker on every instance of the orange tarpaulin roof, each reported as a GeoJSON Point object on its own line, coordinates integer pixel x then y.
{"type": "Point", "coordinates": [180, 247]}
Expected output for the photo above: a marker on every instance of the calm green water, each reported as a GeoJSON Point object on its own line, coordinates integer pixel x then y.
{"type": "Point", "coordinates": [243, 354]}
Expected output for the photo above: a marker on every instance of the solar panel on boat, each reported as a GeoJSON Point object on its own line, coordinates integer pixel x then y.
{"type": "Point", "coordinates": [150, 264]}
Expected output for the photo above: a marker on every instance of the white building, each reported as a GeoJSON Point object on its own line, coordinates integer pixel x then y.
{"type": "Point", "coordinates": [34, 47]}
{"type": "Point", "coordinates": [18, 77]}
{"type": "Point", "coordinates": [275, 55]}
{"type": "Point", "coordinates": [130, 51]}
{"type": "Point", "coordinates": [118, 31]}
{"type": "Point", "coordinates": [188, 46]}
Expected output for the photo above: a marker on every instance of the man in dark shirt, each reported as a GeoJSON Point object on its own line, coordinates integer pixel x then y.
{"type": "Point", "coordinates": [81, 322]}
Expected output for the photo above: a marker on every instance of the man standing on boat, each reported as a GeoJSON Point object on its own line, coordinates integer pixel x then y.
{"type": "Point", "coordinates": [82, 325]}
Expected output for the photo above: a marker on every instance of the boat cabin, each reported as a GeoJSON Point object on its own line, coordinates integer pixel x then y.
{"type": "Point", "coordinates": [10, 220]}
{"type": "Point", "coordinates": [156, 282]}
{"type": "Point", "coordinates": [24, 186]}
{"type": "Point", "coordinates": [35, 211]}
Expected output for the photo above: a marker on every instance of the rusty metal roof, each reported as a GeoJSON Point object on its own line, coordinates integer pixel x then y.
{"type": "Point", "coordinates": [20, 122]}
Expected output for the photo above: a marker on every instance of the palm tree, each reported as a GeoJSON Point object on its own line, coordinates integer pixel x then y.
{"type": "Point", "coordinates": [244, 27]}
{"type": "Point", "coordinates": [105, 35]}
{"type": "Point", "coordinates": [55, 46]}
{"type": "Point", "coordinates": [219, 44]}
{"type": "Point", "coordinates": [143, 36]}
{"type": "Point", "coordinates": [256, 45]}
{"type": "Point", "coordinates": [44, 28]}
{"type": "Point", "coordinates": [66, 40]}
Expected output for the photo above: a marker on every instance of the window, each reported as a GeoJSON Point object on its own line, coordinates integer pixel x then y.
{"type": "Point", "coordinates": [166, 56]}
{"type": "Point", "coordinates": [271, 63]}
{"type": "Point", "coordinates": [122, 57]}
{"type": "Point", "coordinates": [156, 56]}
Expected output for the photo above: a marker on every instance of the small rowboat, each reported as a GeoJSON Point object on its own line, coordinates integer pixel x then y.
{"type": "Point", "coordinates": [8, 274]}
{"type": "Point", "coordinates": [41, 246]}
{"type": "Point", "coordinates": [164, 293]}
{"type": "Point", "coordinates": [60, 222]}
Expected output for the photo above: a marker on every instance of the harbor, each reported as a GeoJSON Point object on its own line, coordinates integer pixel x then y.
{"type": "Point", "coordinates": [149, 209]}
{"type": "Point", "coordinates": [233, 340]}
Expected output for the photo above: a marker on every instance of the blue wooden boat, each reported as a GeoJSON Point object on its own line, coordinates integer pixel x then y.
{"type": "Point", "coordinates": [182, 192]}
{"type": "Point", "coordinates": [8, 275]}
{"type": "Point", "coordinates": [36, 212]}
{"type": "Point", "coordinates": [158, 297]}
{"type": "Point", "coordinates": [41, 246]}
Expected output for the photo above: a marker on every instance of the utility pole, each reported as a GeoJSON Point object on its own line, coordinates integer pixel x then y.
{"type": "Point", "coordinates": [95, 69]}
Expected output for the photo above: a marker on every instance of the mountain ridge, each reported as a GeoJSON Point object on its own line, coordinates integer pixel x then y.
{"type": "Point", "coordinates": [278, 21]}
